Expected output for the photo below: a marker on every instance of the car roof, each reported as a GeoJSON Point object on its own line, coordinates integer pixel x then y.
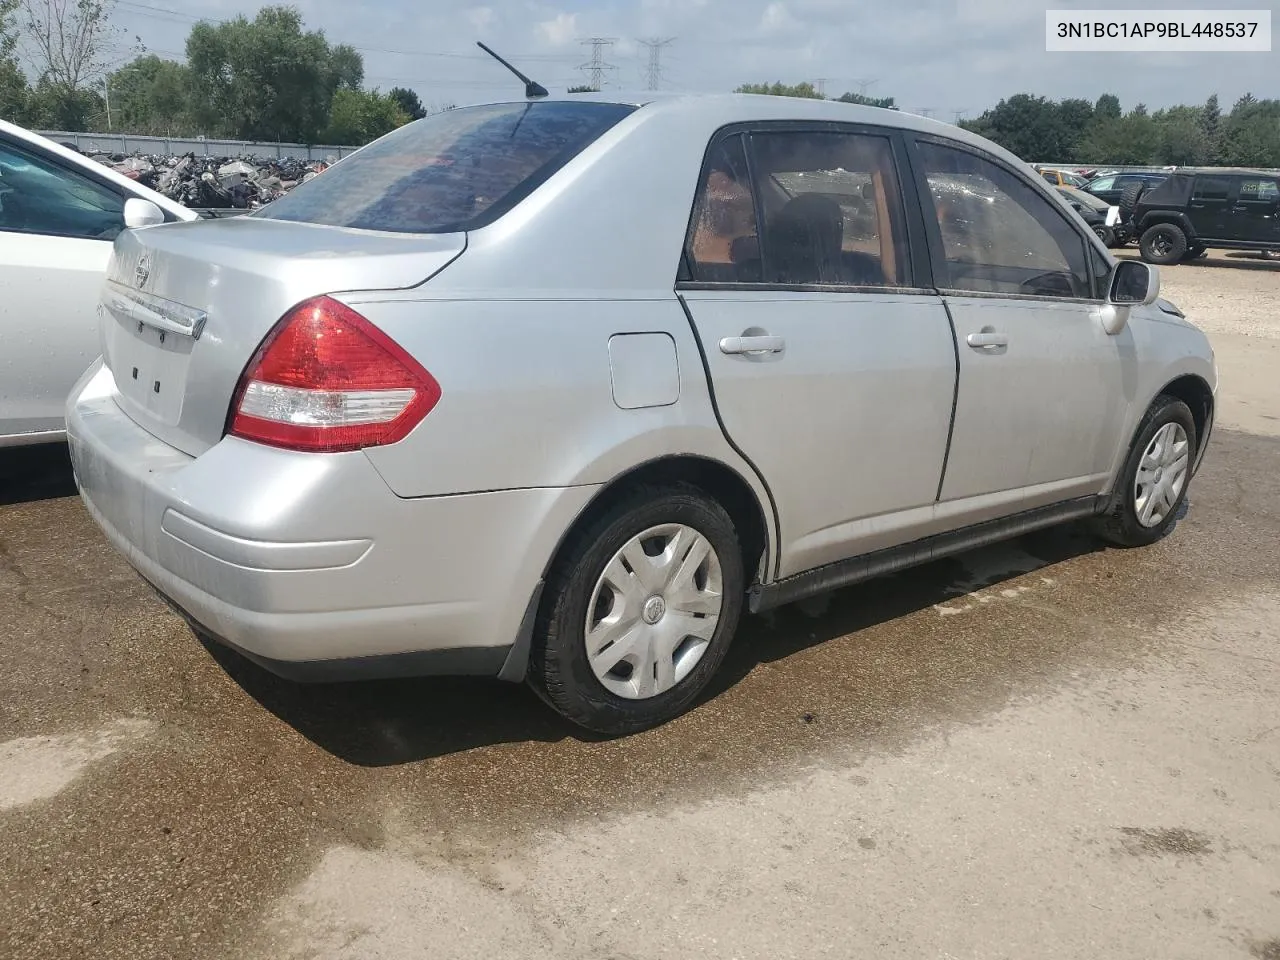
{"type": "Point", "coordinates": [1228, 171]}
{"type": "Point", "coordinates": [722, 109]}
{"type": "Point", "coordinates": [74, 159]}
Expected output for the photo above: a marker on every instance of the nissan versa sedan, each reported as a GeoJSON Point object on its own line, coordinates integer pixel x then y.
{"type": "Point", "coordinates": [556, 390]}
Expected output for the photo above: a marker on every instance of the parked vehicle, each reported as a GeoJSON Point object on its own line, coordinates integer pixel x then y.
{"type": "Point", "coordinates": [59, 213]}
{"type": "Point", "coordinates": [1061, 178]}
{"type": "Point", "coordinates": [556, 390]}
{"type": "Point", "coordinates": [1191, 211]}
{"type": "Point", "coordinates": [1111, 187]}
{"type": "Point", "coordinates": [1102, 218]}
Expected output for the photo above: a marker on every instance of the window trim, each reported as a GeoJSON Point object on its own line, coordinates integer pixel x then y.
{"type": "Point", "coordinates": [933, 230]}
{"type": "Point", "coordinates": [918, 267]}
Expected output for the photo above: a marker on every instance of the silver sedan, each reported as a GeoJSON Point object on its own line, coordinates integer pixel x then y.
{"type": "Point", "coordinates": [554, 390]}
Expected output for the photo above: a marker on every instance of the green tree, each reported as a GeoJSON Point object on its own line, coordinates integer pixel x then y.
{"type": "Point", "coordinates": [1107, 107]}
{"type": "Point", "coordinates": [151, 96]}
{"type": "Point", "coordinates": [583, 89]}
{"type": "Point", "coordinates": [1182, 139]}
{"type": "Point", "coordinates": [886, 103]}
{"type": "Point", "coordinates": [14, 92]}
{"type": "Point", "coordinates": [358, 116]}
{"type": "Point", "coordinates": [804, 90]}
{"type": "Point", "coordinates": [1133, 139]}
{"type": "Point", "coordinates": [408, 102]}
{"type": "Point", "coordinates": [1210, 122]}
{"type": "Point", "coordinates": [1030, 126]}
{"type": "Point", "coordinates": [70, 44]}
{"type": "Point", "coordinates": [267, 79]}
{"type": "Point", "coordinates": [1251, 134]}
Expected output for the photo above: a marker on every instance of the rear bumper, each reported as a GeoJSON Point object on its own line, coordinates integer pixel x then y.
{"type": "Point", "coordinates": [309, 563]}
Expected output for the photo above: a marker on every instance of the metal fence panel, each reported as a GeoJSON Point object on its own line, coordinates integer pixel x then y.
{"type": "Point", "coordinates": [177, 146]}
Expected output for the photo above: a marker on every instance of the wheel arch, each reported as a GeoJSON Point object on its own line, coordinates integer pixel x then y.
{"type": "Point", "coordinates": [1175, 218]}
{"type": "Point", "coordinates": [1195, 392]}
{"type": "Point", "coordinates": [716, 479]}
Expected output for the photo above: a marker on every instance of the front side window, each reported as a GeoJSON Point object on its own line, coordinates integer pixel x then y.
{"type": "Point", "coordinates": [998, 234]}
{"type": "Point", "coordinates": [37, 196]}
{"type": "Point", "coordinates": [832, 209]}
{"type": "Point", "coordinates": [453, 171]}
{"type": "Point", "coordinates": [1103, 183]}
{"type": "Point", "coordinates": [1259, 188]}
{"type": "Point", "coordinates": [1211, 188]}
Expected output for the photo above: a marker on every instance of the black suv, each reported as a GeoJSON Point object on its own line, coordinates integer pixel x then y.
{"type": "Point", "coordinates": [1193, 210]}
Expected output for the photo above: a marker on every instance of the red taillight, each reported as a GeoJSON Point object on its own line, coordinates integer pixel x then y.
{"type": "Point", "coordinates": [326, 379]}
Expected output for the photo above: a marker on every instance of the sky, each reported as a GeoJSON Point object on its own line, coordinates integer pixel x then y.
{"type": "Point", "coordinates": [944, 58]}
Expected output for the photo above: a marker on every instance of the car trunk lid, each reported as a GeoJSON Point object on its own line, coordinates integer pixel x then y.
{"type": "Point", "coordinates": [186, 306]}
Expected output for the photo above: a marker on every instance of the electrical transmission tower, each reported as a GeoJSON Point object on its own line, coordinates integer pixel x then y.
{"type": "Point", "coordinates": [655, 45]}
{"type": "Point", "coordinates": [596, 67]}
{"type": "Point", "coordinates": [959, 115]}
{"type": "Point", "coordinates": [864, 84]}
{"type": "Point", "coordinates": [820, 84]}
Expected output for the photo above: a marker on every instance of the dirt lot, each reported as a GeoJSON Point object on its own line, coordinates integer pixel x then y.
{"type": "Point", "coordinates": [1042, 749]}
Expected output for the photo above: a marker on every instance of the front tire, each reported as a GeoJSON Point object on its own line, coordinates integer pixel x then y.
{"type": "Point", "coordinates": [1165, 243]}
{"type": "Point", "coordinates": [1152, 486]}
{"type": "Point", "coordinates": [639, 611]}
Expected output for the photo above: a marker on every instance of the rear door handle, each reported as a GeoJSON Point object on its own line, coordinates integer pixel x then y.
{"type": "Point", "coordinates": [987, 340]}
{"type": "Point", "coordinates": [739, 345]}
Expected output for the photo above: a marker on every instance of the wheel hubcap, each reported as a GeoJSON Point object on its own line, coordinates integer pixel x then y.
{"type": "Point", "coordinates": [654, 611]}
{"type": "Point", "coordinates": [1162, 475]}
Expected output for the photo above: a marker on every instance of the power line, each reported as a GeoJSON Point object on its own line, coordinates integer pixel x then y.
{"type": "Point", "coordinates": [655, 45]}
{"type": "Point", "coordinates": [596, 66]}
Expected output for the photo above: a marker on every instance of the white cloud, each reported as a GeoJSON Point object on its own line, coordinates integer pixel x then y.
{"type": "Point", "coordinates": [481, 18]}
{"type": "Point", "coordinates": [559, 31]}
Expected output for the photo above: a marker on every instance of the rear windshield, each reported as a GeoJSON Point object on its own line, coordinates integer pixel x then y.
{"type": "Point", "coordinates": [452, 171]}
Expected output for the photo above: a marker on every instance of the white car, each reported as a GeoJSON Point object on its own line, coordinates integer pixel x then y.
{"type": "Point", "coordinates": [59, 213]}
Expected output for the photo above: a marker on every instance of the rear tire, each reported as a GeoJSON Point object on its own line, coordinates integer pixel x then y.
{"type": "Point", "coordinates": [1106, 235]}
{"type": "Point", "coordinates": [611, 589]}
{"type": "Point", "coordinates": [1143, 509]}
{"type": "Point", "coordinates": [1163, 244]}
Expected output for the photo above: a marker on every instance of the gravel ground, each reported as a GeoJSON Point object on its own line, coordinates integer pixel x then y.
{"type": "Point", "coordinates": [1040, 749]}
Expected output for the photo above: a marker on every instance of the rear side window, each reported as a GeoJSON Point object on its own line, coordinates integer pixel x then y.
{"type": "Point", "coordinates": [453, 171]}
{"type": "Point", "coordinates": [1259, 188]}
{"type": "Point", "coordinates": [832, 209]}
{"type": "Point", "coordinates": [998, 234]}
{"type": "Point", "coordinates": [37, 196]}
{"type": "Point", "coordinates": [1104, 183]}
{"type": "Point", "coordinates": [1211, 188]}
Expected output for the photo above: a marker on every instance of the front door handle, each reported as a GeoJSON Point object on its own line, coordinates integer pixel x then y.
{"type": "Point", "coordinates": [987, 339]}
{"type": "Point", "coordinates": [740, 345]}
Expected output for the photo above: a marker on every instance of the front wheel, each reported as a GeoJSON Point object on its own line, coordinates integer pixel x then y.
{"type": "Point", "coordinates": [1163, 244]}
{"type": "Point", "coordinates": [639, 612]}
{"type": "Point", "coordinates": [1153, 483]}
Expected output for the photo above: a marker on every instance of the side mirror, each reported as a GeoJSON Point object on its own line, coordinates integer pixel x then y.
{"type": "Point", "coordinates": [1132, 282]}
{"type": "Point", "coordinates": [141, 213]}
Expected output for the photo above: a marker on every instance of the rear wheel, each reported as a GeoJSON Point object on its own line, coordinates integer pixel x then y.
{"type": "Point", "coordinates": [1106, 235]}
{"type": "Point", "coordinates": [1164, 243]}
{"type": "Point", "coordinates": [1153, 483]}
{"type": "Point", "coordinates": [639, 611]}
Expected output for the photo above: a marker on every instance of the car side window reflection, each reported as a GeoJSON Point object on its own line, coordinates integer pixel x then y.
{"type": "Point", "coordinates": [999, 235]}
{"type": "Point", "coordinates": [40, 197]}
{"type": "Point", "coordinates": [724, 247]}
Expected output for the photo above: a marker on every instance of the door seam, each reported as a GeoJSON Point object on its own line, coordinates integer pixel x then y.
{"type": "Point", "coordinates": [955, 399]}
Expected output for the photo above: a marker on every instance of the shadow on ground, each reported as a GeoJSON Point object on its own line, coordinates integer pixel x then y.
{"type": "Point", "coordinates": [35, 473]}
{"type": "Point", "coordinates": [381, 723]}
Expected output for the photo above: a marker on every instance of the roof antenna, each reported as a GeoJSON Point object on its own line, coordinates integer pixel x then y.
{"type": "Point", "coordinates": [532, 89]}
